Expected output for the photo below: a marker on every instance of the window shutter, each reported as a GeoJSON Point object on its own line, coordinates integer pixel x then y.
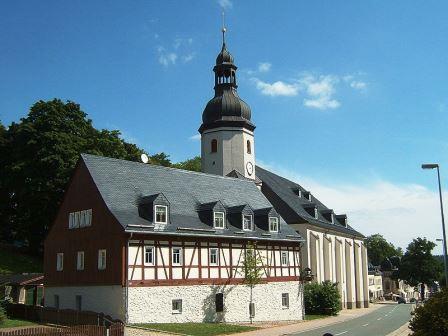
{"type": "Point", "coordinates": [219, 298]}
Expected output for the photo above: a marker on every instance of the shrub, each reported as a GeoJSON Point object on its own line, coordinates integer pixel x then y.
{"type": "Point", "coordinates": [432, 318]}
{"type": "Point", "coordinates": [322, 299]}
{"type": "Point", "coordinates": [2, 315]}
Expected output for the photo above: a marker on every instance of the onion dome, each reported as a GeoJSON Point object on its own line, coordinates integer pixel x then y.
{"type": "Point", "coordinates": [226, 108]}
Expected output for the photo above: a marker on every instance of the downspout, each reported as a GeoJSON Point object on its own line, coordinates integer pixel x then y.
{"type": "Point", "coordinates": [354, 272]}
{"type": "Point", "coordinates": [127, 280]}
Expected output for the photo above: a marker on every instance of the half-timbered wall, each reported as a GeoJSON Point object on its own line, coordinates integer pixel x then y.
{"type": "Point", "coordinates": [197, 267]}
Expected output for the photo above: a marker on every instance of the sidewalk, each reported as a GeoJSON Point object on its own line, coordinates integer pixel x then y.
{"type": "Point", "coordinates": [343, 316]}
{"type": "Point", "coordinates": [402, 331]}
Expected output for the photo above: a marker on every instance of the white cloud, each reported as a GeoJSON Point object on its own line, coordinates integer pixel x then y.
{"type": "Point", "coordinates": [320, 92]}
{"type": "Point", "coordinates": [189, 57]}
{"type": "Point", "coordinates": [181, 49]}
{"type": "Point", "coordinates": [400, 212]}
{"type": "Point", "coordinates": [166, 58]}
{"type": "Point", "coordinates": [225, 4]}
{"type": "Point", "coordinates": [278, 88]}
{"type": "Point", "coordinates": [358, 85]}
{"type": "Point", "coordinates": [195, 137]}
{"type": "Point", "coordinates": [264, 67]}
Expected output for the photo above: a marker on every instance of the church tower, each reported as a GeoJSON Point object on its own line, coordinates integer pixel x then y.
{"type": "Point", "coordinates": [227, 133]}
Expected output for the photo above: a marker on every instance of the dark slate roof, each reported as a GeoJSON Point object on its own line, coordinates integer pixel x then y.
{"type": "Point", "coordinates": [21, 279]}
{"type": "Point", "coordinates": [123, 183]}
{"type": "Point", "coordinates": [283, 194]}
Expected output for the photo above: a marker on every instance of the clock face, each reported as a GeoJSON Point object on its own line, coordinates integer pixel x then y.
{"type": "Point", "coordinates": [250, 168]}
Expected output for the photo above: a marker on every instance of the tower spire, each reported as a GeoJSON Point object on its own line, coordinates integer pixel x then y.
{"type": "Point", "coordinates": [223, 30]}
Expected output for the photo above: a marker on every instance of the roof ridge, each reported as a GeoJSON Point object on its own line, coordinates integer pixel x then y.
{"type": "Point", "coordinates": [165, 168]}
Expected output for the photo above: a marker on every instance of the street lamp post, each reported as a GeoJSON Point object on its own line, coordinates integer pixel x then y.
{"type": "Point", "coordinates": [432, 166]}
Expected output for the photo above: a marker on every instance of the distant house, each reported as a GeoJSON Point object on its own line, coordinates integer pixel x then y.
{"type": "Point", "coordinates": [27, 288]}
{"type": "Point", "coordinates": [375, 284]}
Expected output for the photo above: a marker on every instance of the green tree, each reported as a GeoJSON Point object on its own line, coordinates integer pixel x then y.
{"type": "Point", "coordinates": [418, 265]}
{"type": "Point", "coordinates": [253, 271]}
{"type": "Point", "coordinates": [193, 164]}
{"type": "Point", "coordinates": [432, 318]}
{"type": "Point", "coordinates": [42, 150]}
{"type": "Point", "coordinates": [378, 249]}
{"type": "Point", "coordinates": [160, 159]}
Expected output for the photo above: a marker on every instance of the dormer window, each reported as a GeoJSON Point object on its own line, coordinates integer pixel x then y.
{"type": "Point", "coordinates": [316, 213]}
{"type": "Point", "coordinates": [273, 224]}
{"type": "Point", "coordinates": [299, 193]}
{"type": "Point", "coordinates": [332, 218]}
{"type": "Point", "coordinates": [219, 220]}
{"type": "Point", "coordinates": [161, 212]}
{"type": "Point", "coordinates": [307, 195]}
{"type": "Point", "coordinates": [247, 222]}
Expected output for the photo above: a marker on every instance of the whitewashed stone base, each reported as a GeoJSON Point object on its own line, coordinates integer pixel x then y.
{"type": "Point", "coordinates": [101, 299]}
{"type": "Point", "coordinates": [154, 304]}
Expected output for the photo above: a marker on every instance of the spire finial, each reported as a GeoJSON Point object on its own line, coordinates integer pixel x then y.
{"type": "Point", "coordinates": [223, 29]}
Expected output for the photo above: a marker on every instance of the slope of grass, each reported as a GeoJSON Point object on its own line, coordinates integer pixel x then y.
{"type": "Point", "coordinates": [198, 329]}
{"type": "Point", "coordinates": [15, 323]}
{"type": "Point", "coordinates": [13, 261]}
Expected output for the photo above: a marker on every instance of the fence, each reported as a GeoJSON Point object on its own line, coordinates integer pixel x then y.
{"type": "Point", "coordinates": [81, 330]}
{"type": "Point", "coordinates": [66, 317]}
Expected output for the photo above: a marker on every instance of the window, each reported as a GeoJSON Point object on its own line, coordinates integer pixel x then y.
{"type": "Point", "coordinates": [161, 214]}
{"type": "Point", "coordinates": [249, 147]}
{"type": "Point", "coordinates": [219, 302]}
{"type": "Point", "coordinates": [285, 300]}
{"type": "Point", "coordinates": [177, 306]}
{"type": "Point", "coordinates": [78, 302]}
{"type": "Point", "coordinates": [284, 258]}
{"type": "Point", "coordinates": [218, 220]}
{"type": "Point", "coordinates": [177, 256]}
{"type": "Point", "coordinates": [101, 259]}
{"type": "Point", "coordinates": [273, 224]}
{"type": "Point", "coordinates": [247, 222]}
{"type": "Point", "coordinates": [332, 218]}
{"type": "Point", "coordinates": [80, 261]}
{"type": "Point", "coordinates": [213, 256]}
{"type": "Point", "coordinates": [60, 261]}
{"type": "Point", "coordinates": [56, 301]}
{"type": "Point", "coordinates": [149, 255]}
{"type": "Point", "coordinates": [214, 146]}
{"type": "Point", "coordinates": [79, 219]}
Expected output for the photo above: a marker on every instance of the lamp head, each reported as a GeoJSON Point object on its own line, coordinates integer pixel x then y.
{"type": "Point", "coordinates": [430, 165]}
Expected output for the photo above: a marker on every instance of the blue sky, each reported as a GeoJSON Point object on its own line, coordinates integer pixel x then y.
{"type": "Point", "coordinates": [346, 95]}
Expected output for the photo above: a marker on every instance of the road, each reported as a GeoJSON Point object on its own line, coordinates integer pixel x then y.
{"type": "Point", "coordinates": [378, 323]}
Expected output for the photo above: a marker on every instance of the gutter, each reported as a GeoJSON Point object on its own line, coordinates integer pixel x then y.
{"type": "Point", "coordinates": [163, 233]}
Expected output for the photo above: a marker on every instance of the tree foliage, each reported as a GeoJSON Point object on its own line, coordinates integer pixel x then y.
{"type": "Point", "coordinates": [38, 155]}
{"type": "Point", "coordinates": [418, 265]}
{"type": "Point", "coordinates": [378, 249]}
{"type": "Point", "coordinates": [193, 164]}
{"type": "Point", "coordinates": [432, 318]}
{"type": "Point", "coordinates": [322, 298]}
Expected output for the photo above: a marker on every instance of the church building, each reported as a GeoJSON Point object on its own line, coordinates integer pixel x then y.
{"type": "Point", "coordinates": [146, 243]}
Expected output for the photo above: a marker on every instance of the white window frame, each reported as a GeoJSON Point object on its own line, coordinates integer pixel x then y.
{"type": "Point", "coordinates": [80, 261]}
{"type": "Point", "coordinates": [82, 222]}
{"type": "Point", "coordinates": [223, 220]}
{"type": "Point", "coordinates": [285, 300]}
{"type": "Point", "coordinates": [155, 214]}
{"type": "Point", "coordinates": [71, 220]}
{"type": "Point", "coordinates": [276, 224]}
{"type": "Point", "coordinates": [59, 261]}
{"type": "Point", "coordinates": [153, 251]}
{"type": "Point", "coordinates": [332, 218]}
{"type": "Point", "coordinates": [89, 217]}
{"type": "Point", "coordinates": [284, 262]}
{"type": "Point", "coordinates": [251, 222]}
{"type": "Point", "coordinates": [299, 193]}
{"type": "Point", "coordinates": [102, 261]}
{"type": "Point", "coordinates": [77, 220]}
{"type": "Point", "coordinates": [180, 256]}
{"type": "Point", "coordinates": [316, 213]}
{"type": "Point", "coordinates": [216, 251]}
{"type": "Point", "coordinates": [178, 308]}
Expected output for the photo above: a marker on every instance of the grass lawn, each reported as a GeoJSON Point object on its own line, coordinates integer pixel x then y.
{"type": "Point", "coordinates": [15, 262]}
{"type": "Point", "coordinates": [198, 329]}
{"type": "Point", "coordinates": [16, 323]}
{"type": "Point", "coordinates": [310, 317]}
